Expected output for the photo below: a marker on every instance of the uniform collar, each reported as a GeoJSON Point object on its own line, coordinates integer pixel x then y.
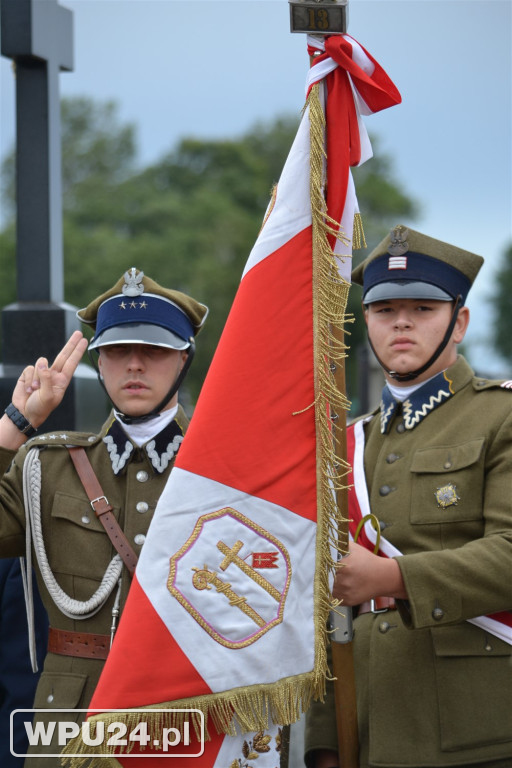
{"type": "Point", "coordinates": [426, 398]}
{"type": "Point", "coordinates": [160, 450]}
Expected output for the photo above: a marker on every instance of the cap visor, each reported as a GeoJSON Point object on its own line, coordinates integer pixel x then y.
{"type": "Point", "coordinates": [139, 333]}
{"type": "Point", "coordinates": [405, 290]}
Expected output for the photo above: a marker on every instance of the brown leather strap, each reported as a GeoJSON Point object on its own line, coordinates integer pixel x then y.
{"type": "Point", "coordinates": [102, 508]}
{"type": "Point", "coordinates": [84, 645]}
{"type": "Point", "coordinates": [377, 605]}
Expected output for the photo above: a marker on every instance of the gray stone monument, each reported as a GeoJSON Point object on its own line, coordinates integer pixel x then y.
{"type": "Point", "coordinates": [38, 36]}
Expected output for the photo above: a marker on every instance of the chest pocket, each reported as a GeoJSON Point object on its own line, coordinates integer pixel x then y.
{"type": "Point", "coordinates": [77, 543]}
{"type": "Point", "coordinates": [447, 483]}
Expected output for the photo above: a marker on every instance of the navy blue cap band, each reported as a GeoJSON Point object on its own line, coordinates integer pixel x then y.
{"type": "Point", "coordinates": [415, 267]}
{"type": "Point", "coordinates": [146, 308]}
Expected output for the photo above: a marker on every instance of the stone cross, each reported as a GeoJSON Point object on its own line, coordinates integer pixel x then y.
{"type": "Point", "coordinates": [38, 36]}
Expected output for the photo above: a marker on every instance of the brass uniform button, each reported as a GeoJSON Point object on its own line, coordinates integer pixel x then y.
{"type": "Point", "coordinates": [437, 614]}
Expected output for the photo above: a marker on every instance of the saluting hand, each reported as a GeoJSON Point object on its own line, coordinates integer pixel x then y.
{"type": "Point", "coordinates": [361, 575]}
{"type": "Point", "coordinates": [40, 388]}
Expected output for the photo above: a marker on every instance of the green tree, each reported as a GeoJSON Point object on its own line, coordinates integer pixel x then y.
{"type": "Point", "coordinates": [190, 220]}
{"type": "Point", "coordinates": [501, 303]}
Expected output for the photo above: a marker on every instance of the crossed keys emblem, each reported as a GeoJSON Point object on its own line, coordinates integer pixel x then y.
{"type": "Point", "coordinates": [217, 576]}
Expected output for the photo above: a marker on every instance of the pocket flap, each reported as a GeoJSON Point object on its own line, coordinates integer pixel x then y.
{"type": "Point", "coordinates": [59, 691]}
{"type": "Point", "coordinates": [447, 458]}
{"type": "Point", "coordinates": [467, 640]}
{"type": "Point", "coordinates": [76, 510]}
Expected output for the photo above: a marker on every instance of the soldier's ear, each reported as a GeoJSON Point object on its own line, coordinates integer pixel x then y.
{"type": "Point", "coordinates": [461, 325]}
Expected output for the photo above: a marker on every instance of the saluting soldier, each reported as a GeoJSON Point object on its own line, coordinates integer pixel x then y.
{"type": "Point", "coordinates": [90, 497]}
{"type": "Point", "coordinates": [433, 627]}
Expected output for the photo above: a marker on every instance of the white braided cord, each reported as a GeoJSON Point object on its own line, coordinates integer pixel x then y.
{"type": "Point", "coordinates": [73, 609]}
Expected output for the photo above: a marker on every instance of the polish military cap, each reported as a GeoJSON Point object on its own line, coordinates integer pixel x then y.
{"type": "Point", "coordinates": [137, 310]}
{"type": "Point", "coordinates": [410, 265]}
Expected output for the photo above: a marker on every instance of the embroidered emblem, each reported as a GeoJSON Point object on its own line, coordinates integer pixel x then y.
{"type": "Point", "coordinates": [253, 748]}
{"type": "Point", "coordinates": [161, 450]}
{"type": "Point", "coordinates": [133, 285]}
{"type": "Point", "coordinates": [211, 576]}
{"type": "Point", "coordinates": [415, 412]}
{"type": "Point", "coordinates": [118, 461]}
{"type": "Point", "coordinates": [397, 262]}
{"type": "Point", "coordinates": [160, 461]}
{"type": "Point", "coordinates": [265, 559]}
{"type": "Point", "coordinates": [388, 407]}
{"type": "Point", "coordinates": [446, 496]}
{"type": "Point", "coordinates": [399, 244]}
{"type": "Point", "coordinates": [506, 384]}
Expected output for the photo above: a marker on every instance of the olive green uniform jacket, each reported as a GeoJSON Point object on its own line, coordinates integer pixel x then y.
{"type": "Point", "coordinates": [432, 688]}
{"type": "Point", "coordinates": [77, 546]}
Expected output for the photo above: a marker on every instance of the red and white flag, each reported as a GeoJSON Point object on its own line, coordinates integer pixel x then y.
{"type": "Point", "coordinates": [228, 606]}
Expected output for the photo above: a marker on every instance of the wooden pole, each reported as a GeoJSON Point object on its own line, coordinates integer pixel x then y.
{"type": "Point", "coordinates": [341, 620]}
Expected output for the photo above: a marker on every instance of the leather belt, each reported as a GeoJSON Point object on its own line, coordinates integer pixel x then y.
{"type": "Point", "coordinates": [377, 605]}
{"type": "Point", "coordinates": [84, 645]}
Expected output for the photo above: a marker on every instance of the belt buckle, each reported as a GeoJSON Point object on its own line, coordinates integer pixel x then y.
{"type": "Point", "coordinates": [374, 609]}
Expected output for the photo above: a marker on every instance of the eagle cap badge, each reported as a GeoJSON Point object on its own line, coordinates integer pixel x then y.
{"type": "Point", "coordinates": [133, 285]}
{"type": "Point", "coordinates": [399, 244]}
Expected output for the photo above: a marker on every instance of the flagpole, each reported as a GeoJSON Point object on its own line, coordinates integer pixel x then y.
{"type": "Point", "coordinates": [341, 619]}
{"type": "Point", "coordinates": [325, 17]}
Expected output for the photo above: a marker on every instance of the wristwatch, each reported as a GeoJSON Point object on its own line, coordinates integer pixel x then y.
{"type": "Point", "coordinates": [20, 421]}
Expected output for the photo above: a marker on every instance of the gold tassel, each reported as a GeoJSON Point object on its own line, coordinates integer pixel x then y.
{"type": "Point", "coordinates": [358, 239]}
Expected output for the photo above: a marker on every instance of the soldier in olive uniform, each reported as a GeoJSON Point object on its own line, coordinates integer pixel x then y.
{"type": "Point", "coordinates": [144, 343]}
{"type": "Point", "coordinates": [434, 666]}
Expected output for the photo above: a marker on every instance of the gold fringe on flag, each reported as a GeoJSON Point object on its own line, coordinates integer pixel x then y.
{"type": "Point", "coordinates": [330, 296]}
{"type": "Point", "coordinates": [253, 705]}
{"type": "Point", "coordinates": [252, 708]}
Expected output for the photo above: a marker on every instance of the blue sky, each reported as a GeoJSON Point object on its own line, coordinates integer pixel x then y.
{"type": "Point", "coordinates": [213, 68]}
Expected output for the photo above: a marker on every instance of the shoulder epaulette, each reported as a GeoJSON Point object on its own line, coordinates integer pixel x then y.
{"type": "Point", "coordinates": [481, 384]}
{"type": "Point", "coordinates": [63, 438]}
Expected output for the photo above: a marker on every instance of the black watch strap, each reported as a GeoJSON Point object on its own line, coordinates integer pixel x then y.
{"type": "Point", "coordinates": [20, 421]}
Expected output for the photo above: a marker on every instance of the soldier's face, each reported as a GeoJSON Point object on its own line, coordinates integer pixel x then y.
{"type": "Point", "coordinates": [138, 376]}
{"type": "Point", "coordinates": [406, 332]}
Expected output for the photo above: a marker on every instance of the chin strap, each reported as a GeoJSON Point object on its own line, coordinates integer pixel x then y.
{"type": "Point", "coordinates": [414, 374]}
{"type": "Point", "coordinates": [161, 405]}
